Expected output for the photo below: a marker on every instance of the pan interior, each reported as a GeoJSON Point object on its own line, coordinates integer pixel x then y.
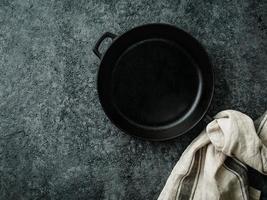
{"type": "Point", "coordinates": [155, 83]}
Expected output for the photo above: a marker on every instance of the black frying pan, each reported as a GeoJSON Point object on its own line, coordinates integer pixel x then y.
{"type": "Point", "coordinates": [155, 81]}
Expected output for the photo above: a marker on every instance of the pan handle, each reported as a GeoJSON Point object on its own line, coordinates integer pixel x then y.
{"type": "Point", "coordinates": [208, 119]}
{"type": "Point", "coordinates": [100, 40]}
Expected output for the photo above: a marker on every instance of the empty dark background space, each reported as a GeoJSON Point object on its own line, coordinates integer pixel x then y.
{"type": "Point", "coordinates": [56, 142]}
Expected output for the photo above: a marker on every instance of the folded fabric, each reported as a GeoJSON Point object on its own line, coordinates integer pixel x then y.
{"type": "Point", "coordinates": [214, 165]}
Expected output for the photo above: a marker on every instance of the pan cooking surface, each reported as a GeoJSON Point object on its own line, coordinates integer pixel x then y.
{"type": "Point", "coordinates": [155, 82]}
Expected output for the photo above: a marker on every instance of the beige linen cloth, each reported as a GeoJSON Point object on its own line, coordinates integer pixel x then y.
{"type": "Point", "coordinates": [214, 165]}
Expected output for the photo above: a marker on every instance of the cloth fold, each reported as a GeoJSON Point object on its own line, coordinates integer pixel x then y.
{"type": "Point", "coordinates": [214, 165]}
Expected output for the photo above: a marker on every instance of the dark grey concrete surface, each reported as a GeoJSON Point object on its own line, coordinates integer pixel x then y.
{"type": "Point", "coordinates": [56, 142]}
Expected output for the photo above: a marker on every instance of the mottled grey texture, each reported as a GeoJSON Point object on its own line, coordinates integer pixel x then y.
{"type": "Point", "coordinates": [56, 142]}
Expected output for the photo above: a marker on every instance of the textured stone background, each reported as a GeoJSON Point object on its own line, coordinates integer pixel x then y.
{"type": "Point", "coordinates": [56, 142]}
